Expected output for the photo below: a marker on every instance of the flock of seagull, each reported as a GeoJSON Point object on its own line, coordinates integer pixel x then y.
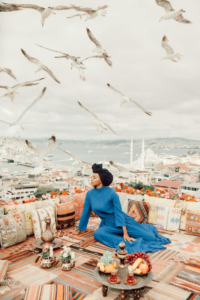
{"type": "Point", "coordinates": [77, 63]}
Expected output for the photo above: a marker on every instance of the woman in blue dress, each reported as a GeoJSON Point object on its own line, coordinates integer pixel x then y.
{"type": "Point", "coordinates": [116, 225]}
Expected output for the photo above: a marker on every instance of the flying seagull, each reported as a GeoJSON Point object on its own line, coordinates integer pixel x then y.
{"type": "Point", "coordinates": [80, 162]}
{"type": "Point", "coordinates": [171, 13]}
{"type": "Point", "coordinates": [9, 72]}
{"type": "Point", "coordinates": [12, 90]}
{"type": "Point", "coordinates": [39, 65]}
{"type": "Point", "coordinates": [119, 168]}
{"type": "Point", "coordinates": [98, 48]}
{"type": "Point", "coordinates": [16, 125]}
{"type": "Point", "coordinates": [49, 147]}
{"type": "Point", "coordinates": [89, 12]}
{"type": "Point", "coordinates": [126, 99]}
{"type": "Point", "coordinates": [97, 121]}
{"type": "Point", "coordinates": [75, 62]}
{"type": "Point", "coordinates": [104, 56]}
{"type": "Point", "coordinates": [7, 7]}
{"type": "Point", "coordinates": [170, 52]}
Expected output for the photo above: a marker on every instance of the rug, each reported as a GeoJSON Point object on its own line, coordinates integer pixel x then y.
{"type": "Point", "coordinates": [184, 247]}
{"type": "Point", "coordinates": [196, 240]}
{"type": "Point", "coordinates": [85, 252]}
{"type": "Point", "coordinates": [188, 278]}
{"type": "Point", "coordinates": [28, 244]}
{"type": "Point", "coordinates": [20, 259]}
{"type": "Point", "coordinates": [193, 297]}
{"type": "Point", "coordinates": [100, 248]}
{"type": "Point", "coordinates": [87, 268]}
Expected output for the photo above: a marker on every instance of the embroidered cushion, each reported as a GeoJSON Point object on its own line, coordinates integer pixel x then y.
{"type": "Point", "coordinates": [146, 206]}
{"type": "Point", "coordinates": [49, 291]}
{"type": "Point", "coordinates": [10, 209]}
{"type": "Point", "coordinates": [3, 269]}
{"type": "Point", "coordinates": [12, 229]}
{"type": "Point", "coordinates": [65, 214]}
{"type": "Point", "coordinates": [193, 223]}
{"type": "Point", "coordinates": [79, 199]}
{"type": "Point", "coordinates": [174, 217]}
{"type": "Point", "coordinates": [153, 213]}
{"type": "Point", "coordinates": [183, 205]}
{"type": "Point", "coordinates": [26, 209]}
{"type": "Point", "coordinates": [137, 211]}
{"type": "Point", "coordinates": [67, 198]}
{"type": "Point", "coordinates": [39, 224]}
{"type": "Point", "coordinates": [162, 217]}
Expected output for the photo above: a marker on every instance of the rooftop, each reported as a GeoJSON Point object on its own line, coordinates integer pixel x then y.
{"type": "Point", "coordinates": [168, 184]}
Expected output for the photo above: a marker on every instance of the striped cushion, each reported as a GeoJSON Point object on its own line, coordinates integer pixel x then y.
{"type": "Point", "coordinates": [3, 269]}
{"type": "Point", "coordinates": [49, 291]}
{"type": "Point", "coordinates": [65, 214]}
{"type": "Point", "coordinates": [193, 223]}
{"type": "Point", "coordinates": [137, 211]}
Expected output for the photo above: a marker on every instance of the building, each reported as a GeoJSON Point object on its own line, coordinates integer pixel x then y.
{"type": "Point", "coordinates": [20, 191]}
{"type": "Point", "coordinates": [191, 188]}
{"type": "Point", "coordinates": [169, 184]}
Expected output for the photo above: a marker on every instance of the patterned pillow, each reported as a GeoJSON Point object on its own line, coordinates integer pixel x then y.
{"type": "Point", "coordinates": [10, 209]}
{"type": "Point", "coordinates": [137, 211]}
{"type": "Point", "coordinates": [183, 205]}
{"type": "Point", "coordinates": [146, 206]}
{"type": "Point", "coordinates": [174, 218]}
{"type": "Point", "coordinates": [153, 214]}
{"type": "Point", "coordinates": [27, 208]}
{"type": "Point", "coordinates": [39, 224]}
{"type": "Point", "coordinates": [162, 217]}
{"type": "Point", "coordinates": [193, 223]}
{"type": "Point", "coordinates": [3, 269]}
{"type": "Point", "coordinates": [49, 291]}
{"type": "Point", "coordinates": [67, 198]}
{"type": "Point", "coordinates": [12, 229]}
{"type": "Point", "coordinates": [65, 214]}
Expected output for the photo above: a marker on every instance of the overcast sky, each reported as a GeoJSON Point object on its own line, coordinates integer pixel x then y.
{"type": "Point", "coordinates": [132, 34]}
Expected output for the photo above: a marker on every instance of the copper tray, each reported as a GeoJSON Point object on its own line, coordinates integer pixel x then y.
{"type": "Point", "coordinates": [38, 243]}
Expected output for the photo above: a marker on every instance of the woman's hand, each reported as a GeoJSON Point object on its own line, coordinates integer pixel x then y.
{"type": "Point", "coordinates": [128, 238]}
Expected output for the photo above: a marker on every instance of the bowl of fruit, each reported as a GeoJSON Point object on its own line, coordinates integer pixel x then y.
{"type": "Point", "coordinates": [107, 264]}
{"type": "Point", "coordinates": [139, 263]}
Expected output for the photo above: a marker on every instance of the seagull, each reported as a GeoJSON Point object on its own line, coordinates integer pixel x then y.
{"type": "Point", "coordinates": [37, 150]}
{"type": "Point", "coordinates": [45, 12]}
{"type": "Point", "coordinates": [6, 7]}
{"type": "Point", "coordinates": [80, 162]}
{"type": "Point", "coordinates": [89, 12]}
{"type": "Point", "coordinates": [119, 168]}
{"type": "Point", "coordinates": [98, 48]}
{"type": "Point", "coordinates": [126, 99]}
{"type": "Point", "coordinates": [49, 147]}
{"type": "Point", "coordinates": [75, 61]}
{"type": "Point", "coordinates": [39, 65]}
{"type": "Point", "coordinates": [9, 72]}
{"type": "Point", "coordinates": [104, 56]}
{"type": "Point", "coordinates": [171, 13]}
{"type": "Point", "coordinates": [16, 126]}
{"type": "Point", "coordinates": [97, 121]}
{"type": "Point", "coordinates": [170, 52]}
{"type": "Point", "coordinates": [12, 90]}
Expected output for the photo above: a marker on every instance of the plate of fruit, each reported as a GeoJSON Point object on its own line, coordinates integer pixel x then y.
{"type": "Point", "coordinates": [107, 264]}
{"type": "Point", "coordinates": [139, 263]}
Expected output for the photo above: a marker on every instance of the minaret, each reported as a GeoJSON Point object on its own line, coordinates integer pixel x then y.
{"type": "Point", "coordinates": [143, 154]}
{"type": "Point", "coordinates": [131, 156]}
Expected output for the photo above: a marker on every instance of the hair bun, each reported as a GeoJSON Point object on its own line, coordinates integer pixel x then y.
{"type": "Point", "coordinates": [97, 168]}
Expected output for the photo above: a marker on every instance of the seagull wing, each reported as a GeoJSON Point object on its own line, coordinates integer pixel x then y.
{"type": "Point", "coordinates": [30, 105]}
{"type": "Point", "coordinates": [32, 6]}
{"type": "Point", "coordinates": [27, 83]}
{"type": "Point", "coordinates": [110, 128]}
{"type": "Point", "coordinates": [181, 19]}
{"type": "Point", "coordinates": [166, 46]}
{"type": "Point", "coordinates": [93, 39]}
{"type": "Point", "coordinates": [31, 59]}
{"type": "Point", "coordinates": [49, 147]}
{"type": "Point", "coordinates": [86, 163]}
{"type": "Point", "coordinates": [53, 50]}
{"type": "Point", "coordinates": [112, 88]}
{"type": "Point", "coordinates": [165, 4]}
{"type": "Point", "coordinates": [102, 7]}
{"type": "Point", "coordinates": [10, 72]}
{"type": "Point", "coordinates": [84, 9]}
{"type": "Point", "coordinates": [4, 87]}
{"type": "Point", "coordinates": [142, 108]}
{"type": "Point", "coordinates": [72, 155]}
{"type": "Point", "coordinates": [30, 145]}
{"type": "Point", "coordinates": [109, 62]}
{"type": "Point", "coordinates": [89, 111]}
{"type": "Point", "coordinates": [50, 73]}
{"type": "Point", "coordinates": [5, 122]}
{"type": "Point", "coordinates": [77, 15]}
{"type": "Point", "coordinates": [119, 168]}
{"type": "Point", "coordinates": [62, 7]}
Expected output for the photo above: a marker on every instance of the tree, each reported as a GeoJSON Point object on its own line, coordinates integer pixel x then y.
{"type": "Point", "coordinates": [140, 185]}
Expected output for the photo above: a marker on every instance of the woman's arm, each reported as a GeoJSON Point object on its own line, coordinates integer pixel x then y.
{"type": "Point", "coordinates": [126, 236]}
{"type": "Point", "coordinates": [85, 214]}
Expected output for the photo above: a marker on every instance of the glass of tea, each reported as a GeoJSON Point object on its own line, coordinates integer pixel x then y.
{"type": "Point", "coordinates": [113, 277]}
{"type": "Point", "coordinates": [130, 279]}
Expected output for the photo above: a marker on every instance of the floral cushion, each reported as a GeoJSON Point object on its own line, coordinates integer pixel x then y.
{"type": "Point", "coordinates": [12, 229]}
{"type": "Point", "coordinates": [193, 223]}
{"type": "Point", "coordinates": [10, 209]}
{"type": "Point", "coordinates": [39, 224]}
{"type": "Point", "coordinates": [153, 213]}
{"type": "Point", "coordinates": [3, 269]}
{"type": "Point", "coordinates": [65, 214]}
{"type": "Point", "coordinates": [137, 211]}
{"type": "Point", "coordinates": [27, 208]}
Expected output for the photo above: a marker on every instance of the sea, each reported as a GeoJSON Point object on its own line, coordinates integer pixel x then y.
{"type": "Point", "coordinates": [93, 153]}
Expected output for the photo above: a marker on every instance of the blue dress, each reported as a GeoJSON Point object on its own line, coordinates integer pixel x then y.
{"type": "Point", "coordinates": [106, 204]}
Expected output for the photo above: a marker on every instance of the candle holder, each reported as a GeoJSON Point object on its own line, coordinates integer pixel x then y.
{"type": "Point", "coordinates": [122, 254]}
